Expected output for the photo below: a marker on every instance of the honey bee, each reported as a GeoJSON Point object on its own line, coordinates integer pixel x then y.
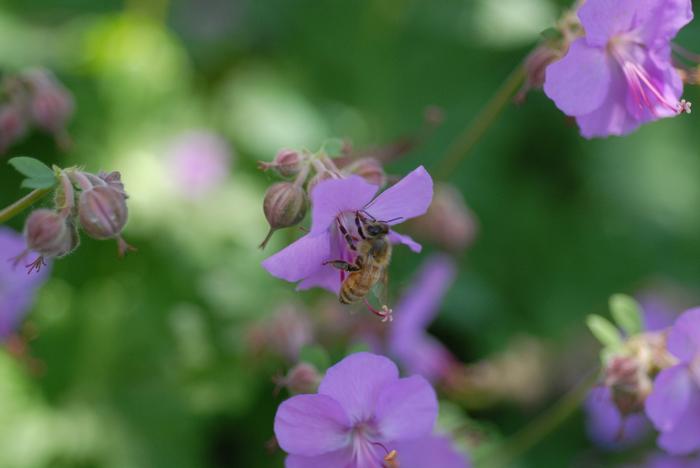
{"type": "Point", "coordinates": [373, 256]}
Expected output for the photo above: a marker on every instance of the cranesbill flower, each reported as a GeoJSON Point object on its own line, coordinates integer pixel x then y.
{"type": "Point", "coordinates": [361, 412]}
{"type": "Point", "coordinates": [335, 203]}
{"type": "Point", "coordinates": [17, 288]}
{"type": "Point", "coordinates": [620, 74]}
{"type": "Point", "coordinates": [416, 350]}
{"type": "Point", "coordinates": [674, 403]}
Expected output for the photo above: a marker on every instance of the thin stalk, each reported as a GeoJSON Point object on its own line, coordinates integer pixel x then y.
{"type": "Point", "coordinates": [483, 121]}
{"type": "Point", "coordinates": [538, 429]}
{"type": "Point", "coordinates": [22, 204]}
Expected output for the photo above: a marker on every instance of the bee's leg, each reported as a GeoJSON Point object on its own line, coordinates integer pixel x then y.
{"type": "Point", "coordinates": [342, 265]}
{"type": "Point", "coordinates": [358, 223]}
{"type": "Point", "coordinates": [346, 234]}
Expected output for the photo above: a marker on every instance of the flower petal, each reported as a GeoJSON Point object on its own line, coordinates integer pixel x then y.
{"type": "Point", "coordinates": [663, 21]}
{"type": "Point", "coordinates": [335, 196]}
{"type": "Point", "coordinates": [684, 438]}
{"type": "Point", "coordinates": [311, 425]}
{"type": "Point", "coordinates": [408, 198]}
{"type": "Point", "coordinates": [406, 409]}
{"type": "Point", "coordinates": [684, 337]}
{"type": "Point", "coordinates": [396, 238]}
{"type": "Point", "coordinates": [603, 19]}
{"type": "Point", "coordinates": [429, 451]}
{"type": "Point", "coordinates": [604, 423]}
{"type": "Point", "coordinates": [356, 381]}
{"type": "Point", "coordinates": [340, 458]}
{"type": "Point", "coordinates": [669, 398]}
{"type": "Point", "coordinates": [579, 82]}
{"type": "Point", "coordinates": [612, 117]}
{"type": "Point", "coordinates": [300, 259]}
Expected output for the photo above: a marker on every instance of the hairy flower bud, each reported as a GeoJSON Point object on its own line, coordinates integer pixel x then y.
{"type": "Point", "coordinates": [51, 235]}
{"type": "Point", "coordinates": [287, 163]}
{"type": "Point", "coordinates": [114, 180]}
{"type": "Point", "coordinates": [284, 206]}
{"type": "Point", "coordinates": [369, 169]}
{"type": "Point", "coordinates": [302, 378]}
{"type": "Point", "coordinates": [103, 212]}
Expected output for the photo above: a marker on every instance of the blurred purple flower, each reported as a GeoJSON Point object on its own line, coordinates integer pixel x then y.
{"type": "Point", "coordinates": [408, 341]}
{"type": "Point", "coordinates": [199, 162]}
{"type": "Point", "coordinates": [17, 288]}
{"type": "Point", "coordinates": [674, 403]}
{"type": "Point", "coordinates": [657, 313]}
{"type": "Point", "coordinates": [362, 410]}
{"type": "Point", "coordinates": [337, 200]}
{"type": "Point", "coordinates": [620, 74]}
{"type": "Point", "coordinates": [607, 427]}
{"type": "Point", "coordinates": [430, 451]}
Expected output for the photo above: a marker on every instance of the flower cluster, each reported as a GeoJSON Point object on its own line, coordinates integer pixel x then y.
{"type": "Point", "coordinates": [620, 74]}
{"type": "Point", "coordinates": [341, 203]}
{"type": "Point", "coordinates": [34, 98]}
{"type": "Point", "coordinates": [657, 372]}
{"type": "Point", "coordinates": [364, 416]}
{"type": "Point", "coordinates": [94, 202]}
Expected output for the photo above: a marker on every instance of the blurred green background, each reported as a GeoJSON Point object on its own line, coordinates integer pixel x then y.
{"type": "Point", "coordinates": [144, 362]}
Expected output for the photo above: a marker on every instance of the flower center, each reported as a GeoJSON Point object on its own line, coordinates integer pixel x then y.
{"type": "Point", "coordinates": [646, 91]}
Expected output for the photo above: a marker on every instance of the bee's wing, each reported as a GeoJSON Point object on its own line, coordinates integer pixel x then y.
{"type": "Point", "coordinates": [381, 288]}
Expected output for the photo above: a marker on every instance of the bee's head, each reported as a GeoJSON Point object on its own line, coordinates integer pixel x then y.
{"type": "Point", "coordinates": [374, 229]}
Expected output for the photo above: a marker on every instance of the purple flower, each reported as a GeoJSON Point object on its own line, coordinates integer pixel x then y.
{"type": "Point", "coordinates": [674, 403]}
{"type": "Point", "coordinates": [361, 412]}
{"type": "Point", "coordinates": [419, 352]}
{"type": "Point", "coordinates": [17, 288]}
{"type": "Point", "coordinates": [607, 427]}
{"type": "Point", "coordinates": [335, 202]}
{"type": "Point", "coordinates": [430, 451]}
{"type": "Point", "coordinates": [620, 74]}
{"type": "Point", "coordinates": [199, 162]}
{"type": "Point", "coordinates": [662, 460]}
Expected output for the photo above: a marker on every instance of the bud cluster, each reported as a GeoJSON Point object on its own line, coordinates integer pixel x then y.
{"type": "Point", "coordinates": [286, 202]}
{"type": "Point", "coordinates": [95, 203]}
{"type": "Point", "coordinates": [34, 98]}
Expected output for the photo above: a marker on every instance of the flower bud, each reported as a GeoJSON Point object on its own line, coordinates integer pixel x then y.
{"type": "Point", "coordinates": [302, 378]}
{"type": "Point", "coordinates": [12, 125]}
{"type": "Point", "coordinates": [629, 383]}
{"type": "Point", "coordinates": [287, 163]}
{"type": "Point", "coordinates": [49, 234]}
{"type": "Point", "coordinates": [284, 206]}
{"type": "Point", "coordinates": [369, 169]}
{"type": "Point", "coordinates": [449, 222]}
{"type": "Point", "coordinates": [114, 180]}
{"type": "Point", "coordinates": [51, 105]}
{"type": "Point", "coordinates": [103, 212]}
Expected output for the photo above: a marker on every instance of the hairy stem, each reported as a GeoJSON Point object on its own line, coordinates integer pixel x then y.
{"type": "Point", "coordinates": [478, 127]}
{"type": "Point", "coordinates": [540, 427]}
{"type": "Point", "coordinates": [22, 204]}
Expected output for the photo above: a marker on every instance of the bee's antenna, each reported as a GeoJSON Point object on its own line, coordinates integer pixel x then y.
{"type": "Point", "coordinates": [364, 212]}
{"type": "Point", "coordinates": [392, 219]}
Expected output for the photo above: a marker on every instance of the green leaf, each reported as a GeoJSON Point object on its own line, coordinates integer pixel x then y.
{"type": "Point", "coordinates": [627, 313]}
{"type": "Point", "coordinates": [315, 355]}
{"type": "Point", "coordinates": [551, 34]}
{"type": "Point", "coordinates": [39, 183]}
{"type": "Point", "coordinates": [604, 331]}
{"type": "Point", "coordinates": [32, 168]}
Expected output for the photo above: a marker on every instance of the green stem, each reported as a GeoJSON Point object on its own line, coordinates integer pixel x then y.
{"type": "Point", "coordinates": [22, 204]}
{"type": "Point", "coordinates": [477, 128]}
{"type": "Point", "coordinates": [535, 432]}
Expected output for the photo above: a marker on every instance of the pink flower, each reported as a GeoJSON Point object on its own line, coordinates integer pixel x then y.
{"type": "Point", "coordinates": [620, 74]}
{"type": "Point", "coordinates": [335, 202]}
{"type": "Point", "coordinates": [199, 162]}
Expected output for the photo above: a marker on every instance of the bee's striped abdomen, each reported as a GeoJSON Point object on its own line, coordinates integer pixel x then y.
{"type": "Point", "coordinates": [358, 284]}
